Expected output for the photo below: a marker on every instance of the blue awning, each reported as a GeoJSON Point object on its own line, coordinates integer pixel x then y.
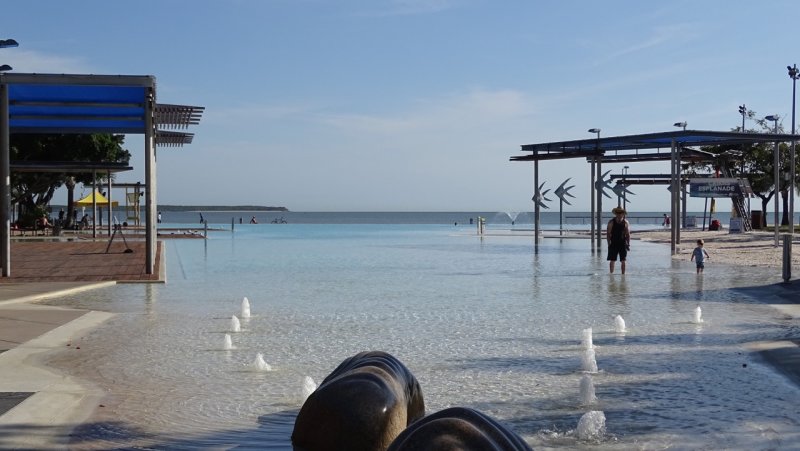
{"type": "Point", "coordinates": [77, 104]}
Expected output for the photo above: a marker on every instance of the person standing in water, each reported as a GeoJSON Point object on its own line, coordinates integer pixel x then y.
{"type": "Point", "coordinates": [618, 236]}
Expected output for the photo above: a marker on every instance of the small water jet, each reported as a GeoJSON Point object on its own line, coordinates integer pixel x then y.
{"type": "Point", "coordinates": [228, 345]}
{"type": "Point", "coordinates": [512, 215]}
{"type": "Point", "coordinates": [588, 361]}
{"type": "Point", "coordinates": [698, 315]}
{"type": "Point", "coordinates": [260, 364]}
{"type": "Point", "coordinates": [592, 425]}
{"type": "Point", "coordinates": [587, 338]}
{"type": "Point", "coordinates": [235, 325]}
{"type": "Point", "coordinates": [587, 391]}
{"type": "Point", "coordinates": [245, 308]}
{"type": "Point", "coordinates": [619, 323]}
{"type": "Point", "coordinates": [308, 387]}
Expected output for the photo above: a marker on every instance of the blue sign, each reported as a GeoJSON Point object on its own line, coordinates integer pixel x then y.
{"type": "Point", "coordinates": [715, 187]}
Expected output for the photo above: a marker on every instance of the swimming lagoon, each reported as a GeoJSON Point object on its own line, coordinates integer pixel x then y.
{"type": "Point", "coordinates": [494, 323]}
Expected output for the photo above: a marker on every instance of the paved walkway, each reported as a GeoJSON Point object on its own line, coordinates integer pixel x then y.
{"type": "Point", "coordinates": [81, 261]}
{"type": "Point", "coordinates": [38, 406]}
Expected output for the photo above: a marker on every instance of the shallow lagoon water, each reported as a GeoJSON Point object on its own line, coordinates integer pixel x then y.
{"type": "Point", "coordinates": [488, 323]}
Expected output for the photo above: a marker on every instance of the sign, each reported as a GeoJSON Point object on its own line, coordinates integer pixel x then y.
{"type": "Point", "coordinates": [735, 226]}
{"type": "Point", "coordinates": [715, 187]}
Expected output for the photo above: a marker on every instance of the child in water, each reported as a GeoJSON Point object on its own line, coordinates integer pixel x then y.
{"type": "Point", "coordinates": [699, 255]}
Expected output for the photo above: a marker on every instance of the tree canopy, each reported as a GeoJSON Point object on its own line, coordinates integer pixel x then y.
{"type": "Point", "coordinates": [756, 164]}
{"type": "Point", "coordinates": [34, 190]}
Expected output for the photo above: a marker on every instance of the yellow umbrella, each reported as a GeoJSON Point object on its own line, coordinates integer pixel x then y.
{"type": "Point", "coordinates": [101, 200]}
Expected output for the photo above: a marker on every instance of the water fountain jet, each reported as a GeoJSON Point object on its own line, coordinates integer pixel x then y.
{"type": "Point", "coordinates": [245, 308]}
{"type": "Point", "coordinates": [587, 338]}
{"type": "Point", "coordinates": [235, 324]}
{"type": "Point", "coordinates": [592, 425]}
{"type": "Point", "coordinates": [260, 365]}
{"type": "Point", "coordinates": [228, 343]}
{"type": "Point", "coordinates": [620, 324]}
{"type": "Point", "coordinates": [308, 387]}
{"type": "Point", "coordinates": [588, 361]}
{"type": "Point", "coordinates": [587, 391]}
{"type": "Point", "coordinates": [698, 315]}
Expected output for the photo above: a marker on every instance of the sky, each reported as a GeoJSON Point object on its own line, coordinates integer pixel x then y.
{"type": "Point", "coordinates": [414, 105]}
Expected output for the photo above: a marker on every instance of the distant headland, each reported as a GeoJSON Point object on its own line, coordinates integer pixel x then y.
{"type": "Point", "coordinates": [220, 208]}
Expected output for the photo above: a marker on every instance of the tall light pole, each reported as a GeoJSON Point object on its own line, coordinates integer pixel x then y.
{"type": "Point", "coordinates": [743, 112]}
{"type": "Point", "coordinates": [5, 43]}
{"type": "Point", "coordinates": [793, 74]}
{"type": "Point", "coordinates": [680, 124]}
{"type": "Point", "coordinates": [776, 175]}
{"type": "Point", "coordinates": [597, 198]}
{"type": "Point", "coordinates": [625, 184]}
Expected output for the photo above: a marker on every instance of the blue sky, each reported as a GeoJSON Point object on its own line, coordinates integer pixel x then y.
{"type": "Point", "coordinates": [414, 105]}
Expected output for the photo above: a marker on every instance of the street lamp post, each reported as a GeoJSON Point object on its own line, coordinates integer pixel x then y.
{"type": "Point", "coordinates": [680, 124]}
{"type": "Point", "coordinates": [793, 74]}
{"type": "Point", "coordinates": [597, 198]}
{"type": "Point", "coordinates": [743, 112]}
{"type": "Point", "coordinates": [776, 175]}
{"type": "Point", "coordinates": [5, 43]}
{"type": "Point", "coordinates": [625, 184]}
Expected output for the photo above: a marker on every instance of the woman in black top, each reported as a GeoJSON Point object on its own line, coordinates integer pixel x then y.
{"type": "Point", "coordinates": [618, 235]}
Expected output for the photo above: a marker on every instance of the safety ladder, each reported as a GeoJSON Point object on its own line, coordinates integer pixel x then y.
{"type": "Point", "coordinates": [738, 202]}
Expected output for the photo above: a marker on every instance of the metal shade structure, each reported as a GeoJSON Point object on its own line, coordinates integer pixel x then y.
{"type": "Point", "coordinates": [75, 103]}
{"type": "Point", "coordinates": [658, 145]}
{"type": "Point", "coordinates": [675, 146]}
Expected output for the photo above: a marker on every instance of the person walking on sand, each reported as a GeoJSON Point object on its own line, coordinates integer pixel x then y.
{"type": "Point", "coordinates": [699, 255]}
{"type": "Point", "coordinates": [618, 236]}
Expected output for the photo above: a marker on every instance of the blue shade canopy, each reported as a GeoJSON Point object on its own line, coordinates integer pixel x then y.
{"type": "Point", "coordinates": [40, 103]}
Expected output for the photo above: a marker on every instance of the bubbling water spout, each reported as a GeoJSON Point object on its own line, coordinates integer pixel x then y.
{"type": "Point", "coordinates": [589, 362]}
{"type": "Point", "coordinates": [245, 308]}
{"type": "Point", "coordinates": [235, 325]}
{"type": "Point", "coordinates": [620, 324]}
{"type": "Point", "coordinates": [228, 343]}
{"type": "Point", "coordinates": [260, 365]}
{"type": "Point", "coordinates": [698, 315]}
{"type": "Point", "coordinates": [587, 338]}
{"type": "Point", "coordinates": [308, 387]}
{"type": "Point", "coordinates": [587, 391]}
{"type": "Point", "coordinates": [592, 425]}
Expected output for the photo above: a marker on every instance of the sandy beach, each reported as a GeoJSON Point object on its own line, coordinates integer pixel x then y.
{"type": "Point", "coordinates": [754, 248]}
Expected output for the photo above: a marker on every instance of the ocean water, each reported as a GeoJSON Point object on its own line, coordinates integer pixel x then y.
{"type": "Point", "coordinates": [520, 219]}
{"type": "Point", "coordinates": [493, 323]}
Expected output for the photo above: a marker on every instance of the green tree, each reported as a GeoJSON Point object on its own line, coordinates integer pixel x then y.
{"type": "Point", "coordinates": [33, 191]}
{"type": "Point", "coordinates": [756, 164]}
